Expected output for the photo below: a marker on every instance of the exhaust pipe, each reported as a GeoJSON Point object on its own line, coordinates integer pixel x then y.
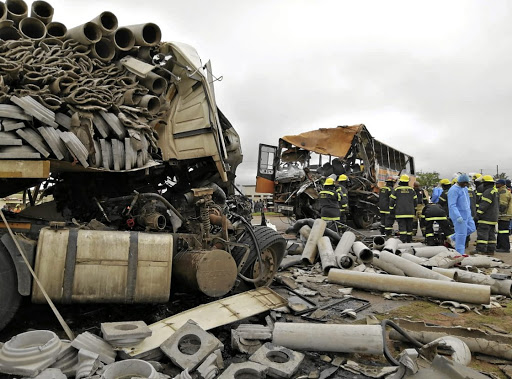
{"type": "Point", "coordinates": [107, 21]}
{"type": "Point", "coordinates": [123, 39]}
{"type": "Point", "coordinates": [3, 12]}
{"type": "Point", "coordinates": [56, 30]}
{"type": "Point", "coordinates": [9, 33]}
{"type": "Point", "coordinates": [146, 34]}
{"type": "Point", "coordinates": [42, 11]}
{"type": "Point", "coordinates": [17, 10]}
{"type": "Point", "coordinates": [155, 83]}
{"type": "Point", "coordinates": [154, 221]}
{"type": "Point", "coordinates": [86, 34]}
{"type": "Point", "coordinates": [151, 103]}
{"type": "Point", "coordinates": [104, 50]}
{"type": "Point", "coordinates": [33, 28]}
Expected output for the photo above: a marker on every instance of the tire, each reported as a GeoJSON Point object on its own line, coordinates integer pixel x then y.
{"type": "Point", "coordinates": [272, 247]}
{"type": "Point", "coordinates": [363, 219]}
{"type": "Point", "coordinates": [10, 298]}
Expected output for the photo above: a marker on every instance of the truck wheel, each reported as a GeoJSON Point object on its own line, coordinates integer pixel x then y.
{"type": "Point", "coordinates": [363, 219]}
{"type": "Point", "coordinates": [272, 247]}
{"type": "Point", "coordinates": [10, 298]}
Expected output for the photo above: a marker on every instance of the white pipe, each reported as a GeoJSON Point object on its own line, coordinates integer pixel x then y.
{"type": "Point", "coordinates": [378, 242]}
{"type": "Point", "coordinates": [304, 232]}
{"type": "Point", "coordinates": [410, 245]}
{"type": "Point", "coordinates": [413, 258]}
{"type": "Point", "coordinates": [337, 338]}
{"type": "Point", "coordinates": [461, 292]}
{"type": "Point", "coordinates": [362, 252]}
{"type": "Point", "coordinates": [498, 287]}
{"type": "Point", "coordinates": [452, 274]}
{"type": "Point", "coordinates": [411, 268]}
{"type": "Point", "coordinates": [327, 257]}
{"type": "Point", "coordinates": [389, 268]}
{"type": "Point", "coordinates": [429, 251]}
{"type": "Point", "coordinates": [391, 245]}
{"type": "Point", "coordinates": [342, 251]}
{"type": "Point", "coordinates": [311, 249]}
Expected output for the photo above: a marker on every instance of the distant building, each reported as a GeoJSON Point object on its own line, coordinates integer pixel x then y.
{"type": "Point", "coordinates": [249, 190]}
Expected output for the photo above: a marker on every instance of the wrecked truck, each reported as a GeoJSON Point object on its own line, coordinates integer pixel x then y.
{"type": "Point", "coordinates": [126, 166]}
{"type": "Point", "coordinates": [294, 170]}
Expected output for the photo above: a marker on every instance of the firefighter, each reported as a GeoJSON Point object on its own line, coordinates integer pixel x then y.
{"type": "Point", "coordinates": [422, 201]}
{"type": "Point", "coordinates": [460, 212]}
{"type": "Point", "coordinates": [329, 204]}
{"type": "Point", "coordinates": [487, 217]}
{"type": "Point", "coordinates": [343, 192]}
{"type": "Point", "coordinates": [505, 199]}
{"type": "Point", "coordinates": [386, 220]}
{"type": "Point", "coordinates": [402, 204]}
{"type": "Point", "coordinates": [434, 213]}
{"type": "Point", "coordinates": [443, 198]}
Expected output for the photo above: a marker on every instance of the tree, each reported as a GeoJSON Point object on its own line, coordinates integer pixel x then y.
{"type": "Point", "coordinates": [501, 175]}
{"type": "Point", "coordinates": [428, 180]}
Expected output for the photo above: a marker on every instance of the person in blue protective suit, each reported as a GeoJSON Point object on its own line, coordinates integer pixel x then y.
{"type": "Point", "coordinates": [460, 212]}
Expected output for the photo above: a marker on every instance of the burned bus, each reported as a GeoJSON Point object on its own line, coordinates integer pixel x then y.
{"type": "Point", "coordinates": [294, 170]}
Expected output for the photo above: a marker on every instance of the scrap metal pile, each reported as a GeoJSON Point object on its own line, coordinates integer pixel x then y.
{"type": "Point", "coordinates": [88, 95]}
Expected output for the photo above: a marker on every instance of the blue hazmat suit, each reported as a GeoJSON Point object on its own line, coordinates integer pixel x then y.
{"type": "Point", "coordinates": [436, 192]}
{"type": "Point", "coordinates": [460, 213]}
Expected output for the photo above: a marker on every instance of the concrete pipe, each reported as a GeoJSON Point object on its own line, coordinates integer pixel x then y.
{"type": "Point", "coordinates": [429, 251]}
{"type": "Point", "coordinates": [212, 272]}
{"type": "Point", "coordinates": [362, 252]}
{"type": "Point", "coordinates": [42, 11]}
{"type": "Point", "coordinates": [104, 50]}
{"type": "Point", "coordinates": [326, 252]}
{"type": "Point", "coordinates": [32, 28]}
{"type": "Point", "coordinates": [411, 268]}
{"type": "Point", "coordinates": [56, 30]}
{"type": "Point", "coordinates": [378, 242]}
{"type": "Point", "coordinates": [452, 274]}
{"type": "Point", "coordinates": [389, 268]}
{"type": "Point", "coordinates": [480, 261]}
{"type": "Point", "coordinates": [342, 252]}
{"type": "Point", "coordinates": [151, 103]}
{"type": "Point", "coordinates": [410, 245]}
{"type": "Point", "coordinates": [123, 39]}
{"type": "Point", "coordinates": [155, 83]}
{"type": "Point", "coordinates": [146, 34]}
{"type": "Point", "coordinates": [86, 34]}
{"type": "Point", "coordinates": [311, 249]}
{"type": "Point", "coordinates": [304, 232]}
{"type": "Point", "coordinates": [9, 33]}
{"type": "Point", "coordinates": [17, 10]}
{"type": "Point", "coordinates": [439, 289]}
{"type": "Point", "coordinates": [413, 258]}
{"type": "Point", "coordinates": [498, 287]}
{"type": "Point", "coordinates": [336, 338]}
{"type": "Point", "coordinates": [3, 11]}
{"type": "Point", "coordinates": [107, 21]}
{"type": "Point", "coordinates": [391, 245]}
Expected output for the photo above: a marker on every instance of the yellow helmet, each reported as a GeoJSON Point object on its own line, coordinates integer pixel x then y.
{"type": "Point", "coordinates": [342, 178]}
{"type": "Point", "coordinates": [488, 178]}
{"type": "Point", "coordinates": [454, 180]}
{"type": "Point", "coordinates": [404, 178]}
{"type": "Point", "coordinates": [476, 176]}
{"type": "Point", "coordinates": [329, 182]}
{"type": "Point", "coordinates": [444, 182]}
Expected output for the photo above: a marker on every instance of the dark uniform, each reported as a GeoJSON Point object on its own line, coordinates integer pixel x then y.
{"type": "Point", "coordinates": [403, 202]}
{"type": "Point", "coordinates": [329, 203]}
{"type": "Point", "coordinates": [472, 201]}
{"type": "Point", "coordinates": [434, 213]}
{"type": "Point", "coordinates": [343, 205]}
{"type": "Point", "coordinates": [386, 219]}
{"type": "Point", "coordinates": [443, 199]}
{"type": "Point", "coordinates": [505, 199]}
{"type": "Point", "coordinates": [487, 216]}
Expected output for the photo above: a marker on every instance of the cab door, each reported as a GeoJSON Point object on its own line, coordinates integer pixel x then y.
{"type": "Point", "coordinates": [266, 169]}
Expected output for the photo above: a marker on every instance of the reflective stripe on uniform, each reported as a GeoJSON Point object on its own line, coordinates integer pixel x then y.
{"type": "Point", "coordinates": [404, 216]}
{"type": "Point", "coordinates": [392, 196]}
{"type": "Point", "coordinates": [487, 222]}
{"type": "Point", "coordinates": [429, 235]}
{"type": "Point", "coordinates": [479, 211]}
{"type": "Point", "coordinates": [436, 218]}
{"type": "Point", "coordinates": [486, 199]}
{"type": "Point", "coordinates": [506, 231]}
{"type": "Point", "coordinates": [481, 241]}
{"type": "Point", "coordinates": [385, 212]}
{"type": "Point", "coordinates": [331, 218]}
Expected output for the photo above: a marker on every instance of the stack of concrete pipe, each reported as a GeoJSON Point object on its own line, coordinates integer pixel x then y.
{"type": "Point", "coordinates": [90, 94]}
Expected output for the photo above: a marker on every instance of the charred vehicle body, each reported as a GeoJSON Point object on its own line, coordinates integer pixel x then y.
{"type": "Point", "coordinates": [127, 167]}
{"type": "Point", "coordinates": [295, 169]}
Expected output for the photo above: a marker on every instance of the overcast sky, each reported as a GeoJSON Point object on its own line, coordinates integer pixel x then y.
{"type": "Point", "coordinates": [432, 79]}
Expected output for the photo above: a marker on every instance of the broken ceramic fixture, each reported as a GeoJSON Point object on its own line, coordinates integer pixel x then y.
{"type": "Point", "coordinates": [450, 346]}
{"type": "Point", "coordinates": [130, 368]}
{"type": "Point", "coordinates": [281, 362]}
{"type": "Point", "coordinates": [95, 344]}
{"type": "Point", "coordinates": [125, 333]}
{"type": "Point", "coordinates": [244, 370]}
{"type": "Point", "coordinates": [67, 359]}
{"type": "Point", "coordinates": [88, 363]}
{"type": "Point", "coordinates": [190, 345]}
{"type": "Point", "coordinates": [462, 292]}
{"type": "Point", "coordinates": [30, 352]}
{"type": "Point", "coordinates": [209, 369]}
